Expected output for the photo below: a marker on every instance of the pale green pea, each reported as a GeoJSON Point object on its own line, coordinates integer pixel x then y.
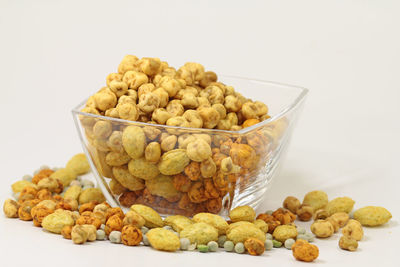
{"type": "Point", "coordinates": [239, 248]}
{"type": "Point", "coordinates": [27, 177]}
{"type": "Point", "coordinates": [185, 243]}
{"type": "Point", "coordinates": [192, 247]}
{"type": "Point", "coordinates": [269, 212]}
{"type": "Point", "coordinates": [100, 234]}
{"type": "Point", "coordinates": [276, 243]}
{"type": "Point", "coordinates": [268, 244]}
{"type": "Point", "coordinates": [102, 226]}
{"type": "Point", "coordinates": [115, 237]}
{"type": "Point", "coordinates": [289, 243]}
{"type": "Point", "coordinates": [268, 236]}
{"type": "Point", "coordinates": [310, 237]}
{"type": "Point", "coordinates": [228, 246]}
{"type": "Point", "coordinates": [144, 230]}
{"type": "Point", "coordinates": [145, 240]}
{"type": "Point", "coordinates": [221, 241]}
{"type": "Point", "coordinates": [202, 248]}
{"type": "Point", "coordinates": [87, 183]}
{"type": "Point", "coordinates": [301, 230]}
{"type": "Point", "coordinates": [212, 246]}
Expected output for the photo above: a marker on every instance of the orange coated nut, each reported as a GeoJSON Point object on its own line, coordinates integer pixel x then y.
{"type": "Point", "coordinates": [193, 171]}
{"type": "Point", "coordinates": [254, 246]}
{"type": "Point", "coordinates": [131, 235]}
{"type": "Point", "coordinates": [304, 251]}
{"type": "Point", "coordinates": [38, 213]}
{"type": "Point", "coordinates": [66, 231]}
{"type": "Point", "coordinates": [250, 122]}
{"type": "Point", "coordinates": [284, 216]}
{"type": "Point", "coordinates": [114, 211]}
{"type": "Point", "coordinates": [87, 207]}
{"type": "Point", "coordinates": [114, 223]}
{"type": "Point", "coordinates": [127, 198]}
{"type": "Point", "coordinates": [270, 220]}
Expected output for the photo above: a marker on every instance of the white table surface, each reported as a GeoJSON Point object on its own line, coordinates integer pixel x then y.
{"type": "Point", "coordinates": [53, 54]}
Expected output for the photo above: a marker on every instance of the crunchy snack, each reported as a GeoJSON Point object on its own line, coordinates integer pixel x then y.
{"type": "Point", "coordinates": [341, 217]}
{"type": "Point", "coordinates": [151, 217]}
{"type": "Point", "coordinates": [162, 186]}
{"type": "Point", "coordinates": [78, 234]}
{"type": "Point", "coordinates": [304, 251]}
{"type": "Point", "coordinates": [133, 218]}
{"type": "Point", "coordinates": [131, 235]}
{"type": "Point", "coordinates": [66, 231]}
{"type": "Point", "coordinates": [142, 169]}
{"type": "Point", "coordinates": [65, 176]}
{"type": "Point", "coordinates": [321, 214]}
{"type": "Point", "coordinates": [134, 141]}
{"type": "Point", "coordinates": [20, 185]}
{"type": "Point", "coordinates": [242, 213]}
{"type": "Point", "coordinates": [262, 225]}
{"type": "Point", "coordinates": [334, 223]}
{"type": "Point", "coordinates": [283, 232]}
{"type": "Point", "coordinates": [242, 232]}
{"type": "Point", "coordinates": [284, 216]}
{"type": "Point", "coordinates": [91, 194]}
{"type": "Point", "coordinates": [348, 243]}
{"type": "Point", "coordinates": [56, 221]}
{"type": "Point", "coordinates": [163, 239]}
{"type": "Point", "coordinates": [254, 246]}
{"type": "Point", "coordinates": [114, 223]}
{"type": "Point", "coordinates": [78, 164]}
{"type": "Point", "coordinates": [353, 229]}
{"type": "Point", "coordinates": [291, 203]}
{"type": "Point", "coordinates": [316, 199]}
{"type": "Point", "coordinates": [322, 228]}
{"type": "Point", "coordinates": [372, 215]}
{"type": "Point", "coordinates": [340, 204]}
{"type": "Point", "coordinates": [39, 212]}
{"type": "Point", "coordinates": [10, 208]}
{"type": "Point", "coordinates": [173, 162]}
{"type": "Point", "coordinates": [200, 233]}
{"type": "Point", "coordinates": [270, 220]}
{"type": "Point", "coordinates": [178, 222]}
{"type": "Point", "coordinates": [214, 220]}
{"type": "Point", "coordinates": [73, 192]}
{"type": "Point", "coordinates": [305, 212]}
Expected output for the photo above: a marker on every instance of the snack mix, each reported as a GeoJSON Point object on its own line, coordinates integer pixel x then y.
{"type": "Point", "coordinates": [154, 171]}
{"type": "Point", "coordinates": [175, 170]}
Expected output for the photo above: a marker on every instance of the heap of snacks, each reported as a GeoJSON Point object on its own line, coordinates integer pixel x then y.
{"type": "Point", "coordinates": [62, 204]}
{"type": "Point", "coordinates": [175, 170]}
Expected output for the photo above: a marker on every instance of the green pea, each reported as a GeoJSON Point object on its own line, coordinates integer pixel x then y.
{"type": "Point", "coordinates": [239, 248]}
{"type": "Point", "coordinates": [100, 234]}
{"type": "Point", "coordinates": [144, 230]}
{"type": "Point", "coordinates": [289, 243]}
{"type": "Point", "coordinates": [185, 243]}
{"type": "Point", "coordinates": [115, 237]}
{"type": "Point", "coordinates": [268, 244]}
{"type": "Point", "coordinates": [221, 241]}
{"type": "Point", "coordinates": [202, 248]}
{"type": "Point", "coordinates": [269, 212]}
{"type": "Point", "coordinates": [212, 246]}
{"type": "Point", "coordinates": [310, 237]}
{"type": "Point", "coordinates": [302, 236]}
{"type": "Point", "coordinates": [228, 246]}
{"type": "Point", "coordinates": [301, 230]}
{"type": "Point", "coordinates": [145, 240]}
{"type": "Point", "coordinates": [268, 236]}
{"type": "Point", "coordinates": [276, 243]}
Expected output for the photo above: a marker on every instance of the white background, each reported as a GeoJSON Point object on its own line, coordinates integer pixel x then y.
{"type": "Point", "coordinates": [54, 54]}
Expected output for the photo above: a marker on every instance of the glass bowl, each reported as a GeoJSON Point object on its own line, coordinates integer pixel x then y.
{"type": "Point", "coordinates": [186, 187]}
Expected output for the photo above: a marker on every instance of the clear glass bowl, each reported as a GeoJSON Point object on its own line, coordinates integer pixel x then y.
{"type": "Point", "coordinates": [256, 152]}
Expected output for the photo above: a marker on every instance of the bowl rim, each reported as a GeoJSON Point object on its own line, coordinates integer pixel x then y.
{"type": "Point", "coordinates": [299, 99]}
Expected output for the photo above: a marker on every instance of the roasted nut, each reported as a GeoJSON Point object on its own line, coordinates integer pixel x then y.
{"type": "Point", "coordinates": [134, 141]}
{"type": "Point", "coordinates": [73, 192]}
{"type": "Point", "coordinates": [182, 183]}
{"type": "Point", "coordinates": [91, 194]}
{"type": "Point", "coordinates": [114, 211]}
{"type": "Point", "coordinates": [321, 214]}
{"type": "Point", "coordinates": [178, 222]}
{"type": "Point", "coordinates": [78, 164]}
{"type": "Point", "coordinates": [114, 223]}
{"type": "Point", "coordinates": [322, 228]}
{"type": "Point", "coordinates": [262, 225]}
{"type": "Point", "coordinates": [128, 111]}
{"type": "Point", "coordinates": [65, 176]}
{"type": "Point", "coordinates": [163, 239]}
{"type": "Point", "coordinates": [193, 171]}
{"type": "Point", "coordinates": [105, 99]}
{"type": "Point", "coordinates": [119, 88]}
{"type": "Point", "coordinates": [353, 229]}
{"type": "Point", "coordinates": [116, 188]}
{"type": "Point", "coordinates": [151, 217]}
{"type": "Point", "coordinates": [242, 213]}
{"type": "Point", "coordinates": [250, 122]}
{"type": "Point", "coordinates": [89, 206]}
{"type": "Point", "coordinates": [113, 77]}
{"type": "Point", "coordinates": [334, 223]}
{"type": "Point", "coordinates": [127, 198]}
{"type": "Point", "coordinates": [232, 103]}
{"type": "Point", "coordinates": [348, 243]}
{"type": "Point", "coordinates": [44, 194]}
{"type": "Point", "coordinates": [50, 184]}
{"type": "Point", "coordinates": [101, 207]}
{"type": "Point", "coordinates": [212, 219]}
{"type": "Point", "coordinates": [10, 208]}
{"type": "Point", "coordinates": [169, 143]}
{"type": "Point", "coordinates": [161, 115]}
{"type": "Point", "coordinates": [305, 213]}
{"type": "Point", "coordinates": [198, 150]}
{"type": "Point", "coordinates": [117, 159]}
{"type": "Point", "coordinates": [191, 73]}
{"type": "Point", "coordinates": [242, 232]}
{"type": "Point", "coordinates": [372, 216]}
{"type": "Point", "coordinates": [208, 168]}
{"type": "Point", "coordinates": [131, 235]}
{"type": "Point", "coordinates": [91, 232]}
{"type": "Point", "coordinates": [341, 217]}
{"type": "Point", "coordinates": [209, 77]}
{"type": "Point", "coordinates": [142, 169]}
{"type": "Point", "coordinates": [254, 246]}
{"type": "Point", "coordinates": [39, 212]}
{"type": "Point", "coordinates": [66, 231]}
{"type": "Point", "coordinates": [170, 85]}
{"type": "Point", "coordinates": [78, 234]}
{"type": "Point", "coordinates": [162, 96]}
{"type": "Point", "coordinates": [162, 186]}
{"type": "Point", "coordinates": [316, 199]}
{"type": "Point", "coordinates": [134, 79]}
{"type": "Point", "coordinates": [283, 232]}
{"type": "Point", "coordinates": [24, 210]}
{"type": "Point", "coordinates": [210, 117]}
{"type": "Point", "coordinates": [88, 217]}
{"type": "Point", "coordinates": [200, 233]}
{"type": "Point", "coordinates": [173, 162]}
{"type": "Point", "coordinates": [149, 66]}
{"type": "Point", "coordinates": [193, 118]}
{"type": "Point", "coordinates": [340, 204]}
{"type": "Point", "coordinates": [243, 155]}
{"type": "Point", "coordinates": [128, 63]}
{"type": "Point", "coordinates": [55, 222]}
{"type": "Point", "coordinates": [148, 102]}
{"type": "Point", "coordinates": [284, 216]}
{"type": "Point", "coordinates": [152, 152]}
{"type": "Point", "coordinates": [133, 218]}
{"type": "Point", "coordinates": [304, 251]}
{"type": "Point", "coordinates": [126, 179]}
{"type": "Point", "coordinates": [291, 203]}
{"type": "Point", "coordinates": [270, 220]}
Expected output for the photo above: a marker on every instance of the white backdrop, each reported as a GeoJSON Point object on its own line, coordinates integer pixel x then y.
{"type": "Point", "coordinates": [55, 53]}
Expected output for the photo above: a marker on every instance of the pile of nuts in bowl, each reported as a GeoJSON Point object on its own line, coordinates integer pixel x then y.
{"type": "Point", "coordinates": [62, 203]}
{"type": "Point", "coordinates": [182, 170]}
